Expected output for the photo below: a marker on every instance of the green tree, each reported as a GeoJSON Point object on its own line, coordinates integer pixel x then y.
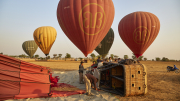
{"type": "Point", "coordinates": [165, 59]}
{"type": "Point", "coordinates": [152, 59]}
{"type": "Point", "coordinates": [145, 59]}
{"type": "Point", "coordinates": [139, 58]}
{"type": "Point", "coordinates": [36, 56]}
{"type": "Point", "coordinates": [112, 56]}
{"type": "Point", "coordinates": [125, 56]}
{"type": "Point", "coordinates": [133, 56]}
{"type": "Point", "coordinates": [93, 55]}
{"type": "Point", "coordinates": [60, 55]}
{"type": "Point", "coordinates": [80, 58]}
{"type": "Point", "coordinates": [68, 55]}
{"type": "Point", "coordinates": [1, 53]}
{"type": "Point", "coordinates": [116, 56]}
{"type": "Point", "coordinates": [48, 57]}
{"type": "Point", "coordinates": [54, 55]}
{"type": "Point", "coordinates": [22, 56]}
{"type": "Point", "coordinates": [158, 59]}
{"type": "Point", "coordinates": [13, 56]}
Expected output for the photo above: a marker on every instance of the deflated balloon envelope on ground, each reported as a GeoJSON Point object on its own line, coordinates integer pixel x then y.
{"type": "Point", "coordinates": [138, 30]}
{"type": "Point", "coordinates": [105, 45]}
{"type": "Point", "coordinates": [85, 22]}
{"type": "Point", "coordinates": [44, 38]}
{"type": "Point", "coordinates": [30, 47]}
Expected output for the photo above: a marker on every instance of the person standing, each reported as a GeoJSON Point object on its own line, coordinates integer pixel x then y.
{"type": "Point", "coordinates": [175, 67]}
{"type": "Point", "coordinates": [100, 63]}
{"type": "Point", "coordinates": [98, 59]}
{"type": "Point", "coordinates": [89, 81]}
{"type": "Point", "coordinates": [119, 60]}
{"type": "Point", "coordinates": [110, 59]}
{"type": "Point", "coordinates": [97, 75]}
{"type": "Point", "coordinates": [93, 66]}
{"type": "Point", "coordinates": [81, 69]}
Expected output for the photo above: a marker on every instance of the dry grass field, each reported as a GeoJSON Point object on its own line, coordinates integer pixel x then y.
{"type": "Point", "coordinates": [162, 85]}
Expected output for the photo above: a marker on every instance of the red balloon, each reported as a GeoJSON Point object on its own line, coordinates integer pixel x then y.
{"type": "Point", "coordinates": [138, 30]}
{"type": "Point", "coordinates": [85, 22]}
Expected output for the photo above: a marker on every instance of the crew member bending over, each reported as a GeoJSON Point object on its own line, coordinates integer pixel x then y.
{"type": "Point", "coordinates": [89, 81]}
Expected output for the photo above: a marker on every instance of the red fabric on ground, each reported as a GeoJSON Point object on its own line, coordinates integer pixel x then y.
{"type": "Point", "coordinates": [54, 80]}
{"type": "Point", "coordinates": [65, 93]}
{"type": "Point", "coordinates": [20, 79]}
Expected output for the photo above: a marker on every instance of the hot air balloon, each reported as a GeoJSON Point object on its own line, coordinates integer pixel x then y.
{"type": "Point", "coordinates": [44, 38]}
{"type": "Point", "coordinates": [29, 47]}
{"type": "Point", "coordinates": [105, 45]}
{"type": "Point", "coordinates": [138, 30]}
{"type": "Point", "coordinates": [85, 22]}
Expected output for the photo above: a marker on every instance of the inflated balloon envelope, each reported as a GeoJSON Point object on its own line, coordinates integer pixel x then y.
{"type": "Point", "coordinates": [30, 47]}
{"type": "Point", "coordinates": [105, 45]}
{"type": "Point", "coordinates": [85, 22]}
{"type": "Point", "coordinates": [138, 30]}
{"type": "Point", "coordinates": [45, 37]}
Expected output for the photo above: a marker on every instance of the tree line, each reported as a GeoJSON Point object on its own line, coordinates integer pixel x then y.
{"type": "Point", "coordinates": [93, 56]}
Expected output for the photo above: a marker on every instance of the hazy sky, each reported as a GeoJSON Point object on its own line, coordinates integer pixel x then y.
{"type": "Point", "coordinates": [19, 19]}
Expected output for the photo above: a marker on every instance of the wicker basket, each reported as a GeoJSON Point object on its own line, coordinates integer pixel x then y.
{"type": "Point", "coordinates": [117, 71]}
{"type": "Point", "coordinates": [126, 80]}
{"type": "Point", "coordinates": [135, 78]}
{"type": "Point", "coordinates": [117, 83]}
{"type": "Point", "coordinates": [104, 77]}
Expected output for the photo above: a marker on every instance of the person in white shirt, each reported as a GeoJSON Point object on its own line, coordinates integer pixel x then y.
{"type": "Point", "coordinates": [110, 59]}
{"type": "Point", "coordinates": [100, 63]}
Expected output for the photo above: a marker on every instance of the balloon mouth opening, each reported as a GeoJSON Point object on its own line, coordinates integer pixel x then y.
{"type": "Point", "coordinates": [86, 53]}
{"type": "Point", "coordinates": [138, 55]}
{"type": "Point", "coordinates": [46, 54]}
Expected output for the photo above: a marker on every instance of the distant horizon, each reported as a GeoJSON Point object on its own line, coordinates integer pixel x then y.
{"type": "Point", "coordinates": [19, 19]}
{"type": "Point", "coordinates": [129, 57]}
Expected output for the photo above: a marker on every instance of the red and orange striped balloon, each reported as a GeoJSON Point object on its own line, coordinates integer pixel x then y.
{"type": "Point", "coordinates": [138, 30]}
{"type": "Point", "coordinates": [85, 22]}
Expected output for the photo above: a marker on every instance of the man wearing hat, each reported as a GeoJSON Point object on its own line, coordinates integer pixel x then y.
{"type": "Point", "coordinates": [81, 69]}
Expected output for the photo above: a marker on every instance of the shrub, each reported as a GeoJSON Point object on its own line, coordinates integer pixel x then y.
{"type": "Point", "coordinates": [140, 58]}
{"type": "Point", "coordinates": [172, 60]}
{"type": "Point", "coordinates": [145, 59]}
{"type": "Point", "coordinates": [152, 59]}
{"type": "Point", "coordinates": [125, 56]}
{"type": "Point", "coordinates": [158, 59]}
{"type": "Point", "coordinates": [80, 58]}
{"type": "Point", "coordinates": [165, 59]}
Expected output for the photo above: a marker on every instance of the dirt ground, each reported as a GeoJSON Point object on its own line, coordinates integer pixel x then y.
{"type": "Point", "coordinates": [162, 85]}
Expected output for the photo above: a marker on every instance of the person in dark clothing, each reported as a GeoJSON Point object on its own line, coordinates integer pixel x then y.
{"type": "Point", "coordinates": [93, 65]}
{"type": "Point", "coordinates": [93, 80]}
{"type": "Point", "coordinates": [119, 60]}
{"type": "Point", "coordinates": [98, 59]}
{"type": "Point", "coordinates": [81, 69]}
{"type": "Point", "coordinates": [89, 81]}
{"type": "Point", "coordinates": [175, 67]}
